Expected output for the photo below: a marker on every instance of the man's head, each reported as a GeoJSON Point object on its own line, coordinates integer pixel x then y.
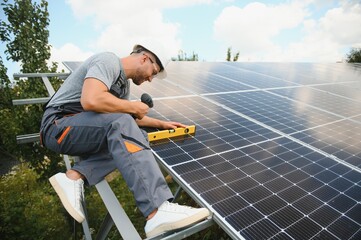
{"type": "Point", "coordinates": [155, 52]}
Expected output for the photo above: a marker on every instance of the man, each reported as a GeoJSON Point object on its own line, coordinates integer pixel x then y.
{"type": "Point", "coordinates": [91, 116]}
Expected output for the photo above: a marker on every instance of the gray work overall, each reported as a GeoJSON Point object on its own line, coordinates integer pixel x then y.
{"type": "Point", "coordinates": [104, 142]}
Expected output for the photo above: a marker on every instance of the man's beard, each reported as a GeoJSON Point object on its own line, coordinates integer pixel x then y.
{"type": "Point", "coordinates": [139, 77]}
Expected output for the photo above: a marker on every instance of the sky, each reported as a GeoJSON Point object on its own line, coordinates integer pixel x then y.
{"type": "Point", "coordinates": [261, 31]}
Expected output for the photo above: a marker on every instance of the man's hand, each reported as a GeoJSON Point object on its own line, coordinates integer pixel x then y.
{"type": "Point", "coordinates": [172, 125]}
{"type": "Point", "coordinates": [140, 109]}
{"type": "Point", "coordinates": [156, 123]}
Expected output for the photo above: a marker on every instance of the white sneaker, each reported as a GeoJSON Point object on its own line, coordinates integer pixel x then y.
{"type": "Point", "coordinates": [171, 216]}
{"type": "Point", "coordinates": [71, 194]}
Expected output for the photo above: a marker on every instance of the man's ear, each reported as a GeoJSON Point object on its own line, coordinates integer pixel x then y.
{"type": "Point", "coordinates": [143, 58]}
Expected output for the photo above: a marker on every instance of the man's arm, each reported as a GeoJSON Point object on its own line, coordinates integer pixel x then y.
{"type": "Point", "coordinates": [96, 97]}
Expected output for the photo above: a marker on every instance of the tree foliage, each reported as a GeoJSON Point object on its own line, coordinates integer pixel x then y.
{"type": "Point", "coordinates": [182, 56]}
{"type": "Point", "coordinates": [229, 55]}
{"type": "Point", "coordinates": [5, 90]}
{"type": "Point", "coordinates": [25, 32]}
{"type": "Point", "coordinates": [354, 56]}
{"type": "Point", "coordinates": [7, 124]}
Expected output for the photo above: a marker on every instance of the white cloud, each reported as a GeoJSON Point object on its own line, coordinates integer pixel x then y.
{"type": "Point", "coordinates": [120, 37]}
{"type": "Point", "coordinates": [68, 52]}
{"type": "Point", "coordinates": [252, 29]}
{"type": "Point", "coordinates": [261, 32]}
{"type": "Point", "coordinates": [327, 38]}
{"type": "Point", "coordinates": [124, 23]}
{"type": "Point", "coordinates": [342, 24]}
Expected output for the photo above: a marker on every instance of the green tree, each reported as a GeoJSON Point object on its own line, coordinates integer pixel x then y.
{"type": "Point", "coordinates": [182, 56]}
{"type": "Point", "coordinates": [354, 56]}
{"type": "Point", "coordinates": [25, 32]}
{"type": "Point", "coordinates": [229, 55]}
{"type": "Point", "coordinates": [5, 90]}
{"type": "Point", "coordinates": [7, 125]}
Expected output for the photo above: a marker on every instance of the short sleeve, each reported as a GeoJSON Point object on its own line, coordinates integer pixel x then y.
{"type": "Point", "coordinates": [105, 67]}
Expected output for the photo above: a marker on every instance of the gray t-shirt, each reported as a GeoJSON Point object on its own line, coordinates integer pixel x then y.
{"type": "Point", "coordinates": [105, 67]}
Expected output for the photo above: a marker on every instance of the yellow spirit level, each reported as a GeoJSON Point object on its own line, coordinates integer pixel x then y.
{"type": "Point", "coordinates": [154, 136]}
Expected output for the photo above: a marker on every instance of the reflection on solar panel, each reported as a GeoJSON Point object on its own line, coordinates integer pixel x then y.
{"type": "Point", "coordinates": [277, 150]}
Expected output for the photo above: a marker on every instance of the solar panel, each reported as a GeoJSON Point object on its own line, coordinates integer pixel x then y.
{"type": "Point", "coordinates": [276, 154]}
{"type": "Point", "coordinates": [72, 65]}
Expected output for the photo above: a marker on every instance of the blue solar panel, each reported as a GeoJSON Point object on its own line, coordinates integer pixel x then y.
{"type": "Point", "coordinates": [276, 154]}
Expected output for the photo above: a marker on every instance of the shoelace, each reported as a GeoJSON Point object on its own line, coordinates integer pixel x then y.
{"type": "Point", "coordinates": [79, 193]}
{"type": "Point", "coordinates": [167, 206]}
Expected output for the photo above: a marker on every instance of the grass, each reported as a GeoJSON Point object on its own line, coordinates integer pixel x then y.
{"type": "Point", "coordinates": [30, 209]}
